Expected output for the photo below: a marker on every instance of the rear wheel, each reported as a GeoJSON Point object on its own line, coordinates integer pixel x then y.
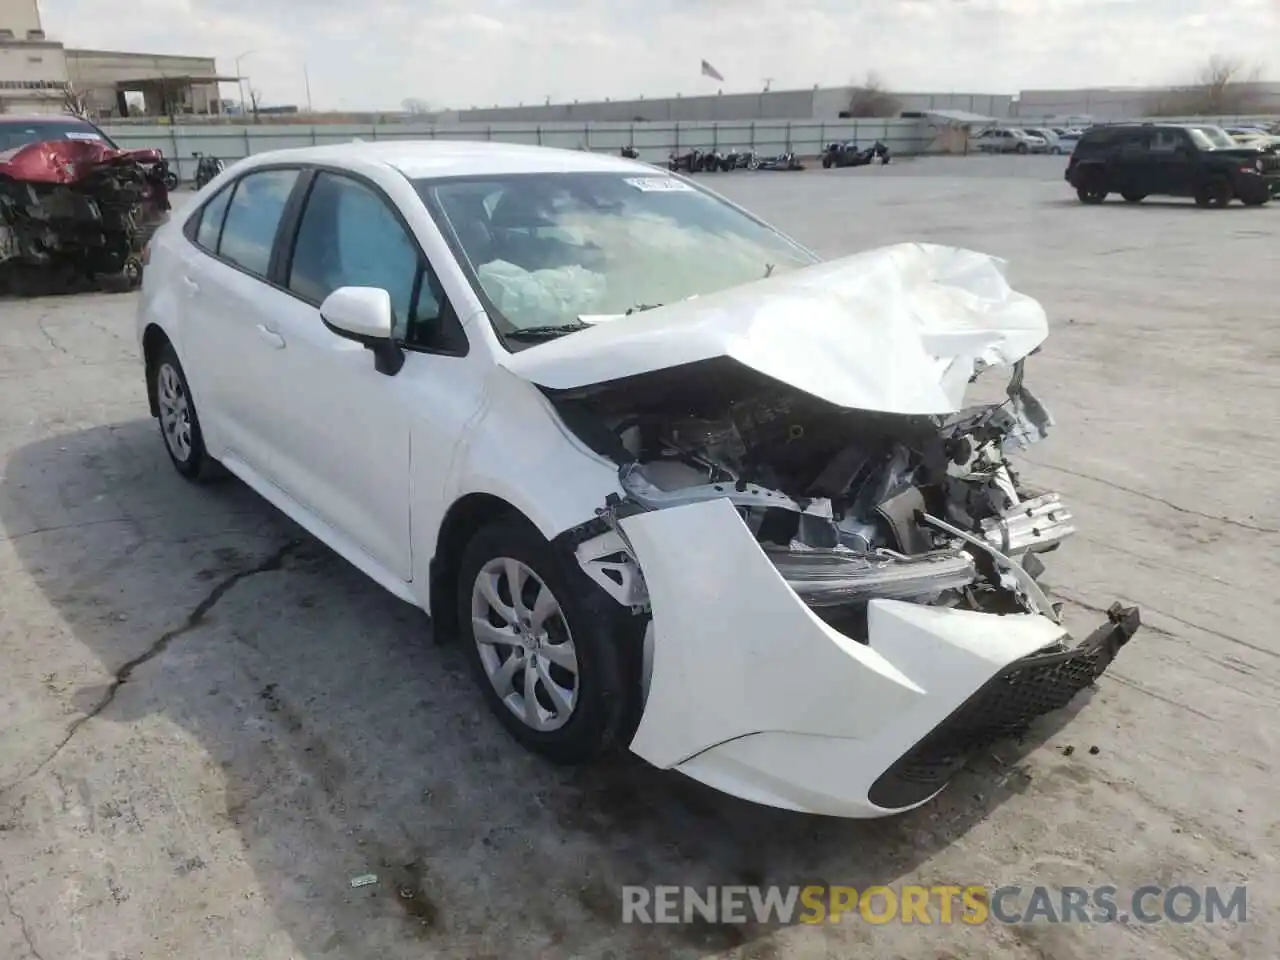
{"type": "Point", "coordinates": [550, 651]}
{"type": "Point", "coordinates": [179, 424]}
{"type": "Point", "coordinates": [826, 162]}
{"type": "Point", "coordinates": [1133, 197]}
{"type": "Point", "coordinates": [1092, 190]}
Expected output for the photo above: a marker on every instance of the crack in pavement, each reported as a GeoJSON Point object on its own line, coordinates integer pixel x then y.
{"type": "Point", "coordinates": [22, 922]}
{"type": "Point", "coordinates": [1152, 497]}
{"type": "Point", "coordinates": [122, 676]}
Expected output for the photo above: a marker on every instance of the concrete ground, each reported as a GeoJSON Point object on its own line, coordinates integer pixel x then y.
{"type": "Point", "coordinates": [209, 724]}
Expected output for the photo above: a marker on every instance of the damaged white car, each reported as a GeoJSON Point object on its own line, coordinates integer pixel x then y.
{"type": "Point", "coordinates": [678, 485]}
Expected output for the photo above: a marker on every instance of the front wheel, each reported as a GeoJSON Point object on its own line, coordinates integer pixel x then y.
{"type": "Point", "coordinates": [550, 651]}
{"type": "Point", "coordinates": [1132, 197]}
{"type": "Point", "coordinates": [826, 163]}
{"type": "Point", "coordinates": [1022, 148]}
{"type": "Point", "coordinates": [171, 181]}
{"type": "Point", "coordinates": [1216, 194]}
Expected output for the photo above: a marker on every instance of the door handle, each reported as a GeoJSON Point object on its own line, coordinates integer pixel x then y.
{"type": "Point", "coordinates": [191, 285]}
{"type": "Point", "coordinates": [271, 336]}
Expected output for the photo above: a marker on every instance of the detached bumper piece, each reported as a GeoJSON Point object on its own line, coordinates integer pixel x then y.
{"type": "Point", "coordinates": [1005, 706]}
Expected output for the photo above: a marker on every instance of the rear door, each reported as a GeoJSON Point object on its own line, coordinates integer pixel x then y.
{"type": "Point", "coordinates": [1172, 162]}
{"type": "Point", "coordinates": [232, 339]}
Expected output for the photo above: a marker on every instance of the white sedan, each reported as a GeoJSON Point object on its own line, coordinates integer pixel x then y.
{"type": "Point", "coordinates": [677, 485]}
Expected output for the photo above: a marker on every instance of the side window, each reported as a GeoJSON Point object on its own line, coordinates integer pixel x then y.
{"type": "Point", "coordinates": [349, 237]}
{"type": "Point", "coordinates": [210, 228]}
{"type": "Point", "coordinates": [1167, 140]}
{"type": "Point", "coordinates": [249, 230]}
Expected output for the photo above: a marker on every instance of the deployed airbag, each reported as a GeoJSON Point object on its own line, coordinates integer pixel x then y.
{"type": "Point", "coordinates": [899, 329]}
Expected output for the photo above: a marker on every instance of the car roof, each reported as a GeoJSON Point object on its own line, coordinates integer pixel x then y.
{"type": "Point", "coordinates": [455, 158]}
{"type": "Point", "coordinates": [9, 119]}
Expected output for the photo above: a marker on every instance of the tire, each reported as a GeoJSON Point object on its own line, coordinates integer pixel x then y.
{"type": "Point", "coordinates": [1260, 201]}
{"type": "Point", "coordinates": [171, 181]}
{"type": "Point", "coordinates": [826, 163]}
{"type": "Point", "coordinates": [168, 380]}
{"type": "Point", "coordinates": [1216, 194]}
{"type": "Point", "coordinates": [602, 706]}
{"type": "Point", "coordinates": [753, 163]}
{"type": "Point", "coordinates": [1131, 197]}
{"type": "Point", "coordinates": [1022, 148]}
{"type": "Point", "coordinates": [1056, 151]}
{"type": "Point", "coordinates": [1091, 192]}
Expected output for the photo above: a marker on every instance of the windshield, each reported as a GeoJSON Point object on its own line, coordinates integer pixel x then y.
{"type": "Point", "coordinates": [14, 134]}
{"type": "Point", "coordinates": [550, 253]}
{"type": "Point", "coordinates": [1211, 138]}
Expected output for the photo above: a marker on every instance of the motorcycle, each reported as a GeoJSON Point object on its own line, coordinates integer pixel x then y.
{"type": "Point", "coordinates": [207, 168]}
{"type": "Point", "coordinates": [740, 160]}
{"type": "Point", "coordinates": [690, 162]}
{"type": "Point", "coordinates": [847, 154]}
{"type": "Point", "coordinates": [631, 153]}
{"type": "Point", "coordinates": [712, 161]}
{"type": "Point", "coordinates": [783, 161]}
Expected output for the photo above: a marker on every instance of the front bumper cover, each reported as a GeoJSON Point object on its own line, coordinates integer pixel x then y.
{"type": "Point", "coordinates": [1005, 706]}
{"type": "Point", "coordinates": [753, 694]}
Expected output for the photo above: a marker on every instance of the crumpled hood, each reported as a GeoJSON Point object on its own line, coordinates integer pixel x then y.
{"type": "Point", "coordinates": [899, 329]}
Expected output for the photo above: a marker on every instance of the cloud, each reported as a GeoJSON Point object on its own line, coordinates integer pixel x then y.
{"type": "Point", "coordinates": [458, 53]}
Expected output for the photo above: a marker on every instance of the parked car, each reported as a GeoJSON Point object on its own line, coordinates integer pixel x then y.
{"type": "Point", "coordinates": [1054, 143]}
{"type": "Point", "coordinates": [74, 206]}
{"type": "Point", "coordinates": [1007, 140]}
{"type": "Point", "coordinates": [1138, 160]}
{"type": "Point", "coordinates": [674, 483]}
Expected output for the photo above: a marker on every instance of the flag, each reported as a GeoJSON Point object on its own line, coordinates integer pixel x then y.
{"type": "Point", "coordinates": [709, 71]}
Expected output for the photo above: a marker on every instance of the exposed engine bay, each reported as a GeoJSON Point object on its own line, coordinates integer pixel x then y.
{"type": "Point", "coordinates": [849, 505]}
{"type": "Point", "coordinates": [77, 211]}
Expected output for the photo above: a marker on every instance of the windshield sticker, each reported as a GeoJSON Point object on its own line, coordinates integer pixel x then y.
{"type": "Point", "coordinates": [658, 184]}
{"type": "Point", "coordinates": [79, 135]}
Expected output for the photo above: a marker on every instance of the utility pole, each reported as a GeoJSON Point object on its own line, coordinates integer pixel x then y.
{"type": "Point", "coordinates": [768, 81]}
{"type": "Point", "coordinates": [306, 76]}
{"type": "Point", "coordinates": [240, 80]}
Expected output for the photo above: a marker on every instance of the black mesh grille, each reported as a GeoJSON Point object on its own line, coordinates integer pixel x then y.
{"type": "Point", "coordinates": [1005, 706]}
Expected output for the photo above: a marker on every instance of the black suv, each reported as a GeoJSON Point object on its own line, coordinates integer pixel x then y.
{"type": "Point", "coordinates": [1138, 160]}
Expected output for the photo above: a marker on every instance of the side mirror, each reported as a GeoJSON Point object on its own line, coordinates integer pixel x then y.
{"type": "Point", "coordinates": [364, 315]}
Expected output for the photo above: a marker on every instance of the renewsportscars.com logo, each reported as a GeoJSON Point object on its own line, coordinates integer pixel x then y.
{"type": "Point", "coordinates": [943, 904]}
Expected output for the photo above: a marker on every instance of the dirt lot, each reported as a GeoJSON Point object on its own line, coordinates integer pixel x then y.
{"type": "Point", "coordinates": [209, 724]}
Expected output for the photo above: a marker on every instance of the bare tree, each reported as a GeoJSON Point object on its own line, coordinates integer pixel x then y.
{"type": "Point", "coordinates": [255, 101]}
{"type": "Point", "coordinates": [415, 106]}
{"type": "Point", "coordinates": [74, 102]}
{"type": "Point", "coordinates": [872, 99]}
{"type": "Point", "coordinates": [1224, 86]}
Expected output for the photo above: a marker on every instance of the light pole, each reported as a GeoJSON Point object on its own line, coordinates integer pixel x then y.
{"type": "Point", "coordinates": [240, 79]}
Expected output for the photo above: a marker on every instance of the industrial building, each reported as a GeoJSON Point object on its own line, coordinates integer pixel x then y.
{"type": "Point", "coordinates": [40, 75]}
{"type": "Point", "coordinates": [828, 103]}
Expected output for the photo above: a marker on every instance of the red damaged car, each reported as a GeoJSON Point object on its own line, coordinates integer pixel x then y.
{"type": "Point", "coordinates": [74, 206]}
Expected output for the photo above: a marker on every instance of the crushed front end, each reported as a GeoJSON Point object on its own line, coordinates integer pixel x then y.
{"type": "Point", "coordinates": [844, 605]}
{"type": "Point", "coordinates": [76, 213]}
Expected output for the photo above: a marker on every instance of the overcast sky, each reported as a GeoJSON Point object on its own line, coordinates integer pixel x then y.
{"type": "Point", "coordinates": [459, 53]}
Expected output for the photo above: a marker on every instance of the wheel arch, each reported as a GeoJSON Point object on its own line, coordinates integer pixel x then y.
{"type": "Point", "coordinates": [461, 521]}
{"type": "Point", "coordinates": [154, 340]}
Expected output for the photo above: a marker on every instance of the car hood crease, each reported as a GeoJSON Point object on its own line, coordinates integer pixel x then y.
{"type": "Point", "coordinates": [897, 329]}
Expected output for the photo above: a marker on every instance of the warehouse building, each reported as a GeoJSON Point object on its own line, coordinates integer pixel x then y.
{"type": "Point", "coordinates": [829, 103]}
{"type": "Point", "coordinates": [39, 75]}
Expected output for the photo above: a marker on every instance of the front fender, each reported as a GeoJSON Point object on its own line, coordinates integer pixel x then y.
{"type": "Point", "coordinates": [519, 450]}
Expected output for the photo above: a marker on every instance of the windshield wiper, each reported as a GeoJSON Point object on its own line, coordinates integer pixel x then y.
{"type": "Point", "coordinates": [541, 333]}
{"type": "Point", "coordinates": [641, 307]}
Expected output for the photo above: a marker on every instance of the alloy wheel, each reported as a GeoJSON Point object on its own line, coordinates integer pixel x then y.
{"type": "Point", "coordinates": [524, 643]}
{"type": "Point", "coordinates": [175, 412]}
